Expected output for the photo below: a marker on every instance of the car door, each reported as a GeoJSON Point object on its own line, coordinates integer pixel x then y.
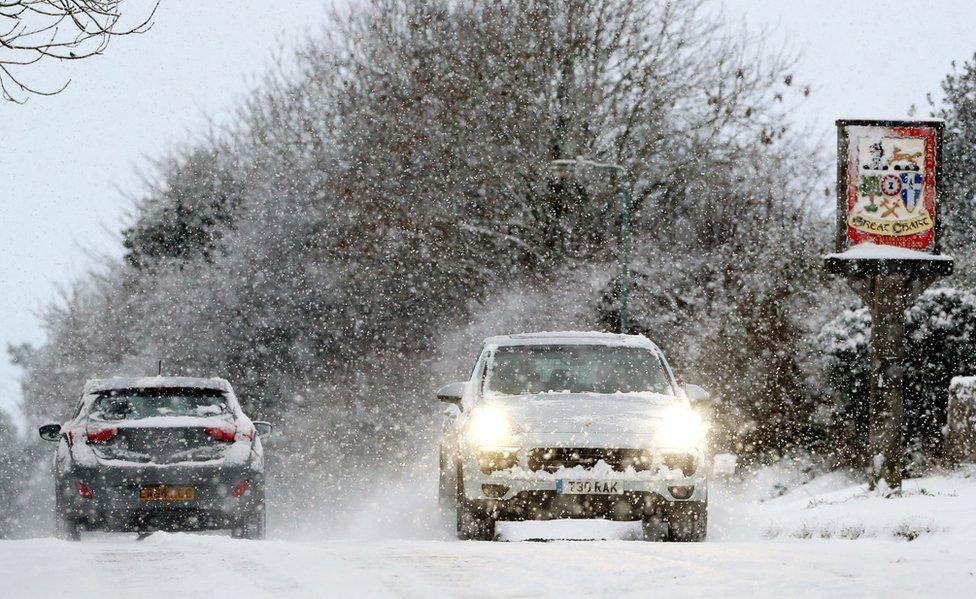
{"type": "Point", "coordinates": [62, 457]}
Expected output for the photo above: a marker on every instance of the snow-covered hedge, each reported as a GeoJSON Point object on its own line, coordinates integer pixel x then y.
{"type": "Point", "coordinates": [940, 344]}
{"type": "Point", "coordinates": [961, 421]}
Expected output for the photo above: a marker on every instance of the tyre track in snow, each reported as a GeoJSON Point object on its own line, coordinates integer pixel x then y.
{"type": "Point", "coordinates": [530, 569]}
{"type": "Point", "coordinates": [178, 565]}
{"type": "Point", "coordinates": [796, 568]}
{"type": "Point", "coordinates": [211, 566]}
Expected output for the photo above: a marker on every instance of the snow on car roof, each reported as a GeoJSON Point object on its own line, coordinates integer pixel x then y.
{"type": "Point", "coordinates": [571, 338]}
{"type": "Point", "coordinates": [151, 382]}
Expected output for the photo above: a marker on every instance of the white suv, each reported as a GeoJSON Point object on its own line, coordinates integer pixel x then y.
{"type": "Point", "coordinates": [574, 425]}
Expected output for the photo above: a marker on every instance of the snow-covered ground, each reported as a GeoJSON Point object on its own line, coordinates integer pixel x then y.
{"type": "Point", "coordinates": [828, 537]}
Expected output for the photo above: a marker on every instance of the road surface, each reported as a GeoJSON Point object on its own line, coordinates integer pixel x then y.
{"type": "Point", "coordinates": [183, 565]}
{"type": "Point", "coordinates": [825, 539]}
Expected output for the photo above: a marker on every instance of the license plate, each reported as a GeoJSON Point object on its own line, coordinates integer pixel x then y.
{"type": "Point", "coordinates": [167, 494]}
{"type": "Point", "coordinates": [588, 487]}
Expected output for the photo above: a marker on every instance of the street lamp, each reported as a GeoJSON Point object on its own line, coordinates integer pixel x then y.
{"type": "Point", "coordinates": [564, 166]}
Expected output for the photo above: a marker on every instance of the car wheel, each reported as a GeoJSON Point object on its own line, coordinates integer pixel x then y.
{"type": "Point", "coordinates": [688, 522]}
{"type": "Point", "coordinates": [65, 526]}
{"type": "Point", "coordinates": [253, 528]}
{"type": "Point", "coordinates": [473, 523]}
{"type": "Point", "coordinates": [446, 490]}
{"type": "Point", "coordinates": [654, 529]}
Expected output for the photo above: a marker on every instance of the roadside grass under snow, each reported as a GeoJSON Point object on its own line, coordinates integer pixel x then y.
{"type": "Point", "coordinates": [833, 506]}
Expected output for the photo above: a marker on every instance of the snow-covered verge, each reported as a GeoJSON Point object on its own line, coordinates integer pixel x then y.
{"type": "Point", "coordinates": [827, 537]}
{"type": "Point", "coordinates": [771, 506]}
{"type": "Point", "coordinates": [937, 508]}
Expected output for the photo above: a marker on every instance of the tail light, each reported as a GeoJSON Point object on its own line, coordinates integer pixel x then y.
{"type": "Point", "coordinates": [84, 491]}
{"type": "Point", "coordinates": [220, 434]}
{"type": "Point", "coordinates": [101, 436]}
{"type": "Point", "coordinates": [241, 488]}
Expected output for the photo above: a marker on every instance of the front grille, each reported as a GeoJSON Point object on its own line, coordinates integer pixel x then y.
{"type": "Point", "coordinates": [681, 461]}
{"type": "Point", "coordinates": [494, 460]}
{"type": "Point", "coordinates": [550, 459]}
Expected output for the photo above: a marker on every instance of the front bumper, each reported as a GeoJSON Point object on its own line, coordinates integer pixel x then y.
{"type": "Point", "coordinates": [114, 504]}
{"type": "Point", "coordinates": [521, 493]}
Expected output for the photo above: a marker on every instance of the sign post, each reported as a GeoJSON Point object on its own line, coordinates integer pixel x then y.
{"type": "Point", "coordinates": [887, 247]}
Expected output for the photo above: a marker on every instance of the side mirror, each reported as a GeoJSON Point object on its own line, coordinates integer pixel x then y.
{"type": "Point", "coordinates": [451, 394]}
{"type": "Point", "coordinates": [263, 428]}
{"type": "Point", "coordinates": [50, 432]}
{"type": "Point", "coordinates": [695, 394]}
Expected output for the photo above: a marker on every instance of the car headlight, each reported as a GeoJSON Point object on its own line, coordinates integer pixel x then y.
{"type": "Point", "coordinates": [680, 428]}
{"type": "Point", "coordinates": [488, 427]}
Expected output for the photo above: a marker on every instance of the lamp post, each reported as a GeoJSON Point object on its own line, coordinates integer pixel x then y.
{"type": "Point", "coordinates": [564, 165]}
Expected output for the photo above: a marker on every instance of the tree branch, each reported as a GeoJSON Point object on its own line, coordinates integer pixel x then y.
{"type": "Point", "coordinates": [57, 29]}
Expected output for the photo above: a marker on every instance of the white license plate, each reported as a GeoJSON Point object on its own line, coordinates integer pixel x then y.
{"type": "Point", "coordinates": [588, 487]}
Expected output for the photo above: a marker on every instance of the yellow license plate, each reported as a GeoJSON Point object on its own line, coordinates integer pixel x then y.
{"type": "Point", "coordinates": [166, 493]}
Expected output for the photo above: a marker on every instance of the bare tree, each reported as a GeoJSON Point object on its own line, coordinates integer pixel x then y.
{"type": "Point", "coordinates": [32, 30]}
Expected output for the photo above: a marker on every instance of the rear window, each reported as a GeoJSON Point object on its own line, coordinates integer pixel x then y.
{"type": "Point", "coordinates": [133, 404]}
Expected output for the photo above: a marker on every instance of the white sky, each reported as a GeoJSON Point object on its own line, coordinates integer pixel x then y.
{"type": "Point", "coordinates": [866, 58]}
{"type": "Point", "coordinates": [67, 163]}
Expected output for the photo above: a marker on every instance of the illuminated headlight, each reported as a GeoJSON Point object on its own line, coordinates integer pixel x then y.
{"type": "Point", "coordinates": [488, 427]}
{"type": "Point", "coordinates": [681, 427]}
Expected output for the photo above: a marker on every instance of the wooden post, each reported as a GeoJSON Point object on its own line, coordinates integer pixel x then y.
{"type": "Point", "coordinates": [887, 297]}
{"type": "Point", "coordinates": [888, 281]}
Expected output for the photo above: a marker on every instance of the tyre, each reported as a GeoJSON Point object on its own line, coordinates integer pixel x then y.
{"type": "Point", "coordinates": [66, 526]}
{"type": "Point", "coordinates": [655, 529]}
{"type": "Point", "coordinates": [446, 491]}
{"type": "Point", "coordinates": [688, 522]}
{"type": "Point", "coordinates": [253, 528]}
{"type": "Point", "coordinates": [473, 523]}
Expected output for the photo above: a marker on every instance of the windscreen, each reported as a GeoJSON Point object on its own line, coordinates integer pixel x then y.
{"type": "Point", "coordinates": [519, 370]}
{"type": "Point", "coordinates": [133, 404]}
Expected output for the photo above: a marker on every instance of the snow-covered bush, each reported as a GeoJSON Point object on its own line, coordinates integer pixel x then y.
{"type": "Point", "coordinates": [844, 347]}
{"type": "Point", "coordinates": [958, 110]}
{"type": "Point", "coordinates": [960, 427]}
{"type": "Point", "coordinates": [940, 344]}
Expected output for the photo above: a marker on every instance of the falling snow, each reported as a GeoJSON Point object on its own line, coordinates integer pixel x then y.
{"type": "Point", "coordinates": [392, 203]}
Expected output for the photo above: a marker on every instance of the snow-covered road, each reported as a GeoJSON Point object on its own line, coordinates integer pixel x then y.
{"type": "Point", "coordinates": [828, 538]}
{"type": "Point", "coordinates": [209, 566]}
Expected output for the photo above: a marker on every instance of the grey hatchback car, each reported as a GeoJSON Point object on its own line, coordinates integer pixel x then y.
{"type": "Point", "coordinates": [159, 453]}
